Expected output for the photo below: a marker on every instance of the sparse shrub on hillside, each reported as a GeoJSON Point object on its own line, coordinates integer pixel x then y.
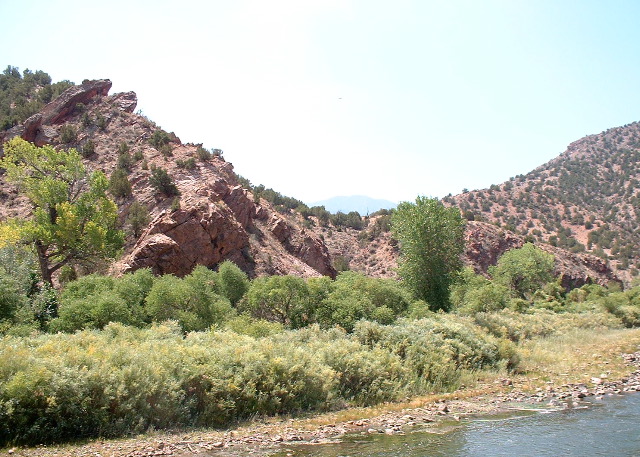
{"type": "Point", "coordinates": [119, 184]}
{"type": "Point", "coordinates": [166, 150]}
{"type": "Point", "coordinates": [101, 122]}
{"type": "Point", "coordinates": [85, 120]}
{"type": "Point", "coordinates": [68, 134]}
{"type": "Point", "coordinates": [351, 220]}
{"type": "Point", "coordinates": [88, 149]}
{"type": "Point", "coordinates": [187, 164]}
{"type": "Point", "coordinates": [159, 138]}
{"type": "Point", "coordinates": [125, 162]}
{"type": "Point", "coordinates": [138, 218]}
{"type": "Point", "coordinates": [162, 182]}
{"type": "Point", "coordinates": [341, 263]}
{"type": "Point", "coordinates": [175, 204]}
{"type": "Point", "coordinates": [22, 95]}
{"type": "Point", "coordinates": [202, 154]}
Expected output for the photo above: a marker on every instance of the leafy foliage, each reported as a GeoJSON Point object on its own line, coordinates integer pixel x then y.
{"type": "Point", "coordinates": [431, 243]}
{"type": "Point", "coordinates": [73, 220]}
{"type": "Point", "coordinates": [119, 184]}
{"type": "Point", "coordinates": [138, 218]}
{"type": "Point", "coordinates": [523, 270]}
{"type": "Point", "coordinates": [55, 387]}
{"type": "Point", "coordinates": [231, 282]}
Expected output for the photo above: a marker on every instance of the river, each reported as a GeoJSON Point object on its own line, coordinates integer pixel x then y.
{"type": "Point", "coordinates": [608, 427]}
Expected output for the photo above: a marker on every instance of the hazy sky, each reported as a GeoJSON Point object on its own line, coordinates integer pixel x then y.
{"type": "Point", "coordinates": [391, 99]}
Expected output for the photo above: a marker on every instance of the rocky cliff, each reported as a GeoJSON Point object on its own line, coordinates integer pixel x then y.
{"type": "Point", "coordinates": [213, 219]}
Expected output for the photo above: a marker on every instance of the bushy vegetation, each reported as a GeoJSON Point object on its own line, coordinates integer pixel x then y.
{"type": "Point", "coordinates": [123, 380]}
{"type": "Point", "coordinates": [127, 354]}
{"type": "Point", "coordinates": [22, 95]}
{"type": "Point", "coordinates": [162, 182]}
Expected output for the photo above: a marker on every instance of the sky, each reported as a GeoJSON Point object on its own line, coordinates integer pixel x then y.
{"type": "Point", "coordinates": [389, 99]}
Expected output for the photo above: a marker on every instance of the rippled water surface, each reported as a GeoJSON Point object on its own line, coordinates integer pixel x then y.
{"type": "Point", "coordinates": [610, 427]}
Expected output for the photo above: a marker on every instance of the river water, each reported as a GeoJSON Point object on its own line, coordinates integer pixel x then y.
{"type": "Point", "coordinates": [608, 427]}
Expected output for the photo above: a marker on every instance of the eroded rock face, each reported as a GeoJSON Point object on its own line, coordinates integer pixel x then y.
{"type": "Point", "coordinates": [126, 101]}
{"type": "Point", "coordinates": [176, 242]}
{"type": "Point", "coordinates": [485, 244]}
{"type": "Point", "coordinates": [576, 270]}
{"type": "Point", "coordinates": [58, 110]}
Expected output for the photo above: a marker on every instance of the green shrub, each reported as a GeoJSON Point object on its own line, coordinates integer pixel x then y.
{"type": "Point", "coordinates": [101, 122]}
{"type": "Point", "coordinates": [88, 149]}
{"type": "Point", "coordinates": [523, 270]}
{"type": "Point", "coordinates": [190, 301]}
{"type": "Point", "coordinates": [162, 182]}
{"type": "Point", "coordinates": [125, 162]}
{"type": "Point", "coordinates": [256, 328]}
{"type": "Point", "coordinates": [159, 138]}
{"type": "Point", "coordinates": [119, 184]}
{"type": "Point", "coordinates": [231, 282]}
{"type": "Point", "coordinates": [188, 164]}
{"type": "Point", "coordinates": [138, 218]}
{"type": "Point", "coordinates": [123, 381]}
{"type": "Point", "coordinates": [68, 134]}
{"type": "Point", "coordinates": [202, 154]}
{"type": "Point", "coordinates": [283, 299]}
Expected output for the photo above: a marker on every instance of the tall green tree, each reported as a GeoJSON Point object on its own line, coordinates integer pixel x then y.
{"type": "Point", "coordinates": [74, 221]}
{"type": "Point", "coordinates": [431, 240]}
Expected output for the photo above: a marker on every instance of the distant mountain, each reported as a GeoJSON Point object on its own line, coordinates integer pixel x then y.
{"type": "Point", "coordinates": [360, 203]}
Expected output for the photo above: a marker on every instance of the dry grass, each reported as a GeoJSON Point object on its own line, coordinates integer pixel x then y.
{"type": "Point", "coordinates": [576, 356]}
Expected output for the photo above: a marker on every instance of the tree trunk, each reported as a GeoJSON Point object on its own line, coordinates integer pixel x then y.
{"type": "Point", "coordinates": [43, 262]}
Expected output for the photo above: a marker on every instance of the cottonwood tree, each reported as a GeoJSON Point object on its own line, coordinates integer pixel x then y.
{"type": "Point", "coordinates": [73, 222]}
{"type": "Point", "coordinates": [431, 239]}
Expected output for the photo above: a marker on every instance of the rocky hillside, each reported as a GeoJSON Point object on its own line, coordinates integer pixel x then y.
{"type": "Point", "coordinates": [585, 200]}
{"type": "Point", "coordinates": [201, 212]}
{"type": "Point", "coordinates": [211, 220]}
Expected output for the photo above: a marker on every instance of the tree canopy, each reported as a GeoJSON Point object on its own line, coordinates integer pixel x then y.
{"type": "Point", "coordinates": [524, 270]}
{"type": "Point", "coordinates": [73, 222]}
{"type": "Point", "coordinates": [431, 240]}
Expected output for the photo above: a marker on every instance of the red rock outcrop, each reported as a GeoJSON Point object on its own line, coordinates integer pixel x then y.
{"type": "Point", "coordinates": [485, 244]}
{"type": "Point", "coordinates": [176, 242]}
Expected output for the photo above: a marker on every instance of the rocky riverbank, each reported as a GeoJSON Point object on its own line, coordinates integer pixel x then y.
{"type": "Point", "coordinates": [503, 395]}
